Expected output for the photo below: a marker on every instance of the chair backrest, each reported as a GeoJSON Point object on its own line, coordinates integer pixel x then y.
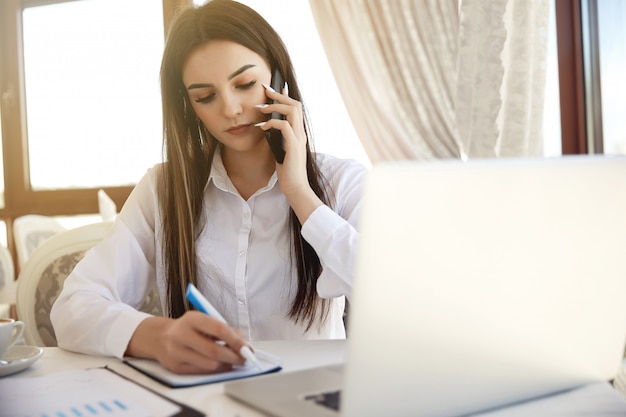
{"type": "Point", "coordinates": [30, 231]}
{"type": "Point", "coordinates": [41, 280]}
{"type": "Point", "coordinates": [106, 206]}
{"type": "Point", "coordinates": [7, 277]}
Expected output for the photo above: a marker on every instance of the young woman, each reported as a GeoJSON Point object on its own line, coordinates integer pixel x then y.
{"type": "Point", "coordinates": [271, 245]}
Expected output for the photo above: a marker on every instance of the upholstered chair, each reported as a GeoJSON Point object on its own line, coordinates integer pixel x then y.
{"type": "Point", "coordinates": [41, 280]}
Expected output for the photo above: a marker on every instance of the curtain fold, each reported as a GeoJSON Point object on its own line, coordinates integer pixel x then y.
{"type": "Point", "coordinates": [481, 71]}
{"type": "Point", "coordinates": [396, 78]}
{"type": "Point", "coordinates": [438, 78]}
{"type": "Point", "coordinates": [521, 118]}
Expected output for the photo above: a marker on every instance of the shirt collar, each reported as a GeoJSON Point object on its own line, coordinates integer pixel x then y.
{"type": "Point", "coordinates": [220, 179]}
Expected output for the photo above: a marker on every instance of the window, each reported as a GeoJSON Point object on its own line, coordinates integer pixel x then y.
{"type": "Point", "coordinates": [551, 109]}
{"type": "Point", "coordinates": [612, 57]}
{"type": "Point", "coordinates": [92, 90]}
{"type": "Point", "coordinates": [80, 102]}
{"type": "Point", "coordinates": [592, 60]}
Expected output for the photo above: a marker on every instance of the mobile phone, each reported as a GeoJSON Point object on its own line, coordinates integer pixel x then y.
{"type": "Point", "coordinates": [274, 136]}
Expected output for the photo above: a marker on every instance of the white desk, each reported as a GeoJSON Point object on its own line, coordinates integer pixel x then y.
{"type": "Point", "coordinates": [599, 400]}
{"type": "Point", "coordinates": [209, 399]}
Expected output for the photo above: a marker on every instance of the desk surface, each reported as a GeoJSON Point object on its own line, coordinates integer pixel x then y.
{"type": "Point", "coordinates": [598, 399]}
{"type": "Point", "coordinates": [210, 399]}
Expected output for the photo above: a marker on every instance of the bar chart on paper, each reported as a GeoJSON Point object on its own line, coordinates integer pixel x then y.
{"type": "Point", "coordinates": [84, 393]}
{"type": "Point", "coordinates": [79, 408]}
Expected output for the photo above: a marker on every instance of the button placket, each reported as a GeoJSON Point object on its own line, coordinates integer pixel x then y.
{"type": "Point", "coordinates": [241, 268]}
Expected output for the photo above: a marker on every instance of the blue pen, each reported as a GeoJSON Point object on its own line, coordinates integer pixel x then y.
{"type": "Point", "coordinates": [196, 298]}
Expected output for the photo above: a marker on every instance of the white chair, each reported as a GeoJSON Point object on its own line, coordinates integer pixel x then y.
{"type": "Point", "coordinates": [30, 231]}
{"type": "Point", "coordinates": [106, 206]}
{"type": "Point", "coordinates": [8, 285]}
{"type": "Point", "coordinates": [7, 271]}
{"type": "Point", "coordinates": [41, 280]}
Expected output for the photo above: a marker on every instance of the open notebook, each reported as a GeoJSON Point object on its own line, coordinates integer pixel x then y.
{"type": "Point", "coordinates": [269, 363]}
{"type": "Point", "coordinates": [478, 285]}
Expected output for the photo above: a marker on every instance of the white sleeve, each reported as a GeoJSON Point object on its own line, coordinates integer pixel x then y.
{"type": "Point", "coordinates": [96, 310]}
{"type": "Point", "coordinates": [333, 233]}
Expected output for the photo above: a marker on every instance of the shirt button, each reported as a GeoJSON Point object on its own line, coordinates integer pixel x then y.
{"type": "Point", "coordinates": [246, 215]}
{"type": "Point", "coordinates": [240, 301]}
{"type": "Point", "coordinates": [242, 253]}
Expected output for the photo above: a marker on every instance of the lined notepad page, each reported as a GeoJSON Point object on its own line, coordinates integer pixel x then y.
{"type": "Point", "coordinates": [89, 392]}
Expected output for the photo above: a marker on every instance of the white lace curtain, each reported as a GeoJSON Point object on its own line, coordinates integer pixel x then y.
{"type": "Point", "coordinates": [429, 79]}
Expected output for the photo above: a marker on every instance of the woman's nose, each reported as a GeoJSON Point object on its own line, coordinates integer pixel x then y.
{"type": "Point", "coordinates": [231, 105]}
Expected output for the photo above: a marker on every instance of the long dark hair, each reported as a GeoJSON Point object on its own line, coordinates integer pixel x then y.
{"type": "Point", "coordinates": [189, 150]}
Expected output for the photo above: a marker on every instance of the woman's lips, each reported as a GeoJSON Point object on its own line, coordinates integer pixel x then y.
{"type": "Point", "coordinates": [239, 129]}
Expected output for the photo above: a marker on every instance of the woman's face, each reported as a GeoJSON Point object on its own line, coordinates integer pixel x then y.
{"type": "Point", "coordinates": [223, 81]}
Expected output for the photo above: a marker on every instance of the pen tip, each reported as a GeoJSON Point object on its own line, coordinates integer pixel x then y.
{"type": "Point", "coordinates": [250, 357]}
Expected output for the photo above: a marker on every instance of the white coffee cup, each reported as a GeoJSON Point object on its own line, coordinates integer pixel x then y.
{"type": "Point", "coordinates": [10, 332]}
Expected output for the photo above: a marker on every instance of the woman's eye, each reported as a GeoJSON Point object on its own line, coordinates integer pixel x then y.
{"type": "Point", "coordinates": [246, 85]}
{"type": "Point", "coordinates": [205, 99]}
{"type": "Point", "coordinates": [208, 98]}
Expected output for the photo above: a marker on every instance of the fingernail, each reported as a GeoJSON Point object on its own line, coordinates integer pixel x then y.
{"type": "Point", "coordinates": [261, 106]}
{"type": "Point", "coordinates": [260, 124]}
{"type": "Point", "coordinates": [286, 89]}
{"type": "Point", "coordinates": [268, 87]}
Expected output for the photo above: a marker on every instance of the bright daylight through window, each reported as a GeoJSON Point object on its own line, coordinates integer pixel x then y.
{"type": "Point", "coordinates": [92, 91]}
{"type": "Point", "coordinates": [612, 38]}
{"type": "Point", "coordinates": [93, 101]}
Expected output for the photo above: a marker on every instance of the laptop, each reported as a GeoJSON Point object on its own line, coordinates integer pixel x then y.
{"type": "Point", "coordinates": [479, 284]}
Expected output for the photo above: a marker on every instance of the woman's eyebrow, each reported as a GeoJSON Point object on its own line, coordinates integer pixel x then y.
{"type": "Point", "coordinates": [230, 77]}
{"type": "Point", "coordinates": [240, 70]}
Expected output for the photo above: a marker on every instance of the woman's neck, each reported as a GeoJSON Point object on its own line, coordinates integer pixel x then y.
{"type": "Point", "coordinates": [248, 171]}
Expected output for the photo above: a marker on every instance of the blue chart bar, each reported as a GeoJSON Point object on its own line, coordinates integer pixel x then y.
{"type": "Point", "coordinates": [102, 408]}
{"type": "Point", "coordinates": [119, 404]}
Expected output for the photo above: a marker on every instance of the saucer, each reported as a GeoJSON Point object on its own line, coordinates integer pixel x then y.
{"type": "Point", "coordinates": [19, 357]}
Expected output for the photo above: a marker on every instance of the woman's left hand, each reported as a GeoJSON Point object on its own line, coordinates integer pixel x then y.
{"type": "Point", "coordinates": [292, 173]}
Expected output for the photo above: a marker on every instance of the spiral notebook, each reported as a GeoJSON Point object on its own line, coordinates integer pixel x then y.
{"type": "Point", "coordinates": [268, 364]}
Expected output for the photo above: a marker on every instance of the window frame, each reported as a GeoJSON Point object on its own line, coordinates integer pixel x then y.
{"type": "Point", "coordinates": [19, 198]}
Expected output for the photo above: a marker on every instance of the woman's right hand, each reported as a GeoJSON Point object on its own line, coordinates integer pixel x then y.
{"type": "Point", "coordinates": [192, 344]}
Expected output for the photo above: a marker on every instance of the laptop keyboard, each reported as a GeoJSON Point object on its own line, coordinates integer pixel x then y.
{"type": "Point", "coordinates": [329, 399]}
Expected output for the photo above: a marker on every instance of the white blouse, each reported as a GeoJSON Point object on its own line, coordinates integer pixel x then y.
{"type": "Point", "coordinates": [244, 262]}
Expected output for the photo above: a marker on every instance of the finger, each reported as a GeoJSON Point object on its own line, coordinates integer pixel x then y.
{"type": "Point", "coordinates": [208, 363]}
{"type": "Point", "coordinates": [216, 351]}
{"type": "Point", "coordinates": [207, 332]}
{"type": "Point", "coordinates": [294, 107]}
{"type": "Point", "coordinates": [189, 369]}
{"type": "Point", "coordinates": [280, 124]}
{"type": "Point", "coordinates": [233, 342]}
{"type": "Point", "coordinates": [281, 97]}
{"type": "Point", "coordinates": [292, 115]}
{"type": "Point", "coordinates": [189, 361]}
{"type": "Point", "coordinates": [269, 91]}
